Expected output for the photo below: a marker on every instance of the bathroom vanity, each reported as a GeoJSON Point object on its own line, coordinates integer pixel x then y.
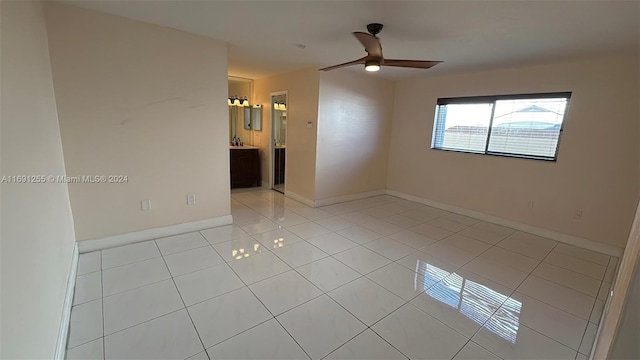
{"type": "Point", "coordinates": [245, 166]}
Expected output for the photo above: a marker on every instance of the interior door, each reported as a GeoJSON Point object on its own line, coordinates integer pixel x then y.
{"type": "Point", "coordinates": [279, 140]}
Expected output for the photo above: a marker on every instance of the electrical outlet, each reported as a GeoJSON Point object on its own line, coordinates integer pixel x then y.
{"type": "Point", "coordinates": [530, 204]}
{"type": "Point", "coordinates": [145, 205]}
{"type": "Point", "coordinates": [577, 215]}
{"type": "Point", "coordinates": [191, 199]}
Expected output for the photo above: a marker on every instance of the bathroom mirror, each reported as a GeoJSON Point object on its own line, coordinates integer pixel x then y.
{"type": "Point", "coordinates": [246, 112]}
{"type": "Point", "coordinates": [240, 116]}
{"type": "Point", "coordinates": [256, 117]}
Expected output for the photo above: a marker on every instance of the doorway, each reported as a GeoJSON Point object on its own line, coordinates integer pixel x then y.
{"type": "Point", "coordinates": [279, 139]}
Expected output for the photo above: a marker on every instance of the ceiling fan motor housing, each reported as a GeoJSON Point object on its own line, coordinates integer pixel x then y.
{"type": "Point", "coordinates": [374, 28]}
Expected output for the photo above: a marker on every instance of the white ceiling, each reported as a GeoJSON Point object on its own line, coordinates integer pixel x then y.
{"type": "Point", "coordinates": [466, 35]}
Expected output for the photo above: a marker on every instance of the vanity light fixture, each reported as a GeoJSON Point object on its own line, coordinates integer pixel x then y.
{"type": "Point", "coordinates": [372, 65]}
{"type": "Point", "coordinates": [236, 101]}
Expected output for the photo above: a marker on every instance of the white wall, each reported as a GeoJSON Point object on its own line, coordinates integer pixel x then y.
{"type": "Point", "coordinates": [143, 101]}
{"type": "Point", "coordinates": [354, 125]}
{"type": "Point", "coordinates": [302, 107]}
{"type": "Point", "coordinates": [37, 226]}
{"type": "Point", "coordinates": [597, 168]}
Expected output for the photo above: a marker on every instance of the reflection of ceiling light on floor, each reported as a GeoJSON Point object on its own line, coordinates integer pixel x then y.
{"type": "Point", "coordinates": [242, 253]}
{"type": "Point", "coordinates": [277, 243]}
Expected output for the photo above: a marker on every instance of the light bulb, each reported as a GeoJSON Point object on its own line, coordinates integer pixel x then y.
{"type": "Point", "coordinates": [372, 68]}
{"type": "Point", "coordinates": [372, 65]}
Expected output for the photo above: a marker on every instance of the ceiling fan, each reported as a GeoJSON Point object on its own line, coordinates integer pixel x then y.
{"type": "Point", "coordinates": [374, 59]}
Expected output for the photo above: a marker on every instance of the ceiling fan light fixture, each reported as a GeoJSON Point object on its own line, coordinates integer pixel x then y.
{"type": "Point", "coordinates": [372, 65]}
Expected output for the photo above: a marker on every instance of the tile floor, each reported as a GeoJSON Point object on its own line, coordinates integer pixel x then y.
{"type": "Point", "coordinates": [378, 278]}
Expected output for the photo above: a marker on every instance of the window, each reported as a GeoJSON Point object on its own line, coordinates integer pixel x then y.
{"type": "Point", "coordinates": [526, 126]}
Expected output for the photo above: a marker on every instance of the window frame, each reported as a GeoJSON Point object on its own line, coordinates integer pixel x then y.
{"type": "Point", "coordinates": [491, 99]}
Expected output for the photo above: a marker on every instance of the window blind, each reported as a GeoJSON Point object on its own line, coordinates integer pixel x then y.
{"type": "Point", "coordinates": [527, 126]}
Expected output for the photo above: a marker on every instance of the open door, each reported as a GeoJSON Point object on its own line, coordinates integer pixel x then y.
{"type": "Point", "coordinates": [617, 337]}
{"type": "Point", "coordinates": [279, 139]}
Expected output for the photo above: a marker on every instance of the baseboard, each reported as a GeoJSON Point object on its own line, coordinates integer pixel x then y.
{"type": "Point", "coordinates": [137, 236]}
{"type": "Point", "coordinates": [63, 332]}
{"type": "Point", "coordinates": [265, 184]}
{"type": "Point", "coordinates": [561, 237]}
{"type": "Point", "coordinates": [299, 198]}
{"type": "Point", "coordinates": [350, 197]}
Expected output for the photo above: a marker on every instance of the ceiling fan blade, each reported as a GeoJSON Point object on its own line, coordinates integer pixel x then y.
{"type": "Point", "coordinates": [417, 64]}
{"type": "Point", "coordinates": [354, 62]}
{"type": "Point", "coordinates": [371, 43]}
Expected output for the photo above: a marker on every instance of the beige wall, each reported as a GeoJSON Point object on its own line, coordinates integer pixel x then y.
{"type": "Point", "coordinates": [354, 123]}
{"type": "Point", "coordinates": [597, 168]}
{"type": "Point", "coordinates": [37, 226]}
{"type": "Point", "coordinates": [144, 101]}
{"type": "Point", "coordinates": [302, 107]}
{"type": "Point", "coordinates": [240, 88]}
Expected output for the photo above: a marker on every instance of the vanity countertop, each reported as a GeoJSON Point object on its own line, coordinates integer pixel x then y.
{"type": "Point", "coordinates": [281, 146]}
{"type": "Point", "coordinates": [242, 147]}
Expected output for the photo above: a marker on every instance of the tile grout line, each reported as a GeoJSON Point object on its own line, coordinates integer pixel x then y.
{"type": "Point", "coordinates": [181, 299]}
{"type": "Point", "coordinates": [469, 339]}
{"type": "Point", "coordinates": [574, 272]}
{"type": "Point", "coordinates": [143, 322]}
{"type": "Point", "coordinates": [553, 306]}
{"type": "Point", "coordinates": [584, 333]}
{"type": "Point", "coordinates": [532, 329]}
{"type": "Point", "coordinates": [575, 258]}
{"type": "Point", "coordinates": [367, 327]}
{"type": "Point", "coordinates": [266, 308]}
{"type": "Point", "coordinates": [326, 293]}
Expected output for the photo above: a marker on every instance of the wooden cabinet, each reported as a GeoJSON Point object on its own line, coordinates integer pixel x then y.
{"type": "Point", "coordinates": [245, 167]}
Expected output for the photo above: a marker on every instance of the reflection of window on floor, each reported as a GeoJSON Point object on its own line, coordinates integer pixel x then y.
{"type": "Point", "coordinates": [505, 322]}
{"type": "Point", "coordinates": [427, 275]}
{"type": "Point", "coordinates": [473, 300]}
